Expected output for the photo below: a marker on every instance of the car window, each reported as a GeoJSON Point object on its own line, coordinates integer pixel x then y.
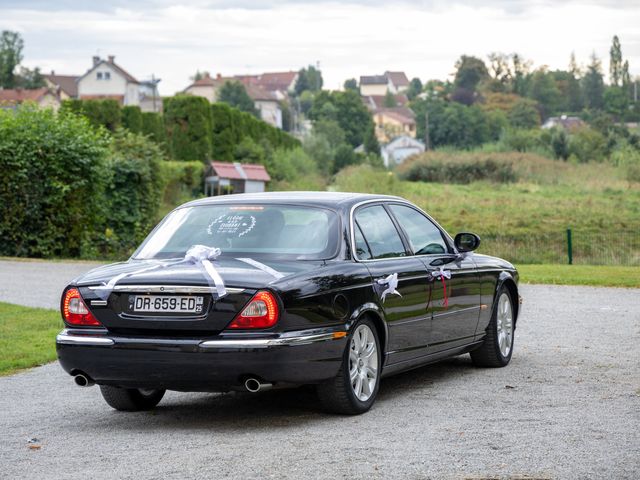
{"type": "Point", "coordinates": [287, 231]}
{"type": "Point", "coordinates": [380, 232]}
{"type": "Point", "coordinates": [362, 249]}
{"type": "Point", "coordinates": [425, 238]}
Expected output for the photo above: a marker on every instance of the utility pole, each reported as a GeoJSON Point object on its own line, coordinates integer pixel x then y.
{"type": "Point", "coordinates": [427, 141]}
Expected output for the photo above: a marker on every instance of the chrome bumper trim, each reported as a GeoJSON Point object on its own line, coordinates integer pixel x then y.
{"type": "Point", "coordinates": [66, 339]}
{"type": "Point", "coordinates": [299, 339]}
{"type": "Point", "coordinates": [167, 289]}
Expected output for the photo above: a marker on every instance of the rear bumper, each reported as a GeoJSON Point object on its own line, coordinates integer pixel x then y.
{"type": "Point", "coordinates": [193, 364]}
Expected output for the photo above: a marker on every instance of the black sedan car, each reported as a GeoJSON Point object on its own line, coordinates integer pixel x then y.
{"type": "Point", "coordinates": [254, 291]}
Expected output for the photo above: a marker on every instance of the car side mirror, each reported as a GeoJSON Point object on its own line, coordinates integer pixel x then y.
{"type": "Point", "coordinates": [466, 242]}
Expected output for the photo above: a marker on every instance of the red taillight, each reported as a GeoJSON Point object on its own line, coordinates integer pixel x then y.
{"type": "Point", "coordinates": [75, 312]}
{"type": "Point", "coordinates": [260, 312]}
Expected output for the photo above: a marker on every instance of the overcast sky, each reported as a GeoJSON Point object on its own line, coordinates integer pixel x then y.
{"type": "Point", "coordinates": [173, 39]}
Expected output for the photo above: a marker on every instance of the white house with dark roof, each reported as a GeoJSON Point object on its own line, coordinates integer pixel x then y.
{"type": "Point", "coordinates": [106, 79]}
{"type": "Point", "coordinates": [394, 82]}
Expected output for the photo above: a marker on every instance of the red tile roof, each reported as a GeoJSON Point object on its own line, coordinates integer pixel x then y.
{"type": "Point", "coordinates": [401, 114]}
{"type": "Point", "coordinates": [399, 79]}
{"type": "Point", "coordinates": [256, 172]}
{"type": "Point", "coordinates": [20, 95]}
{"type": "Point", "coordinates": [377, 101]}
{"type": "Point", "coordinates": [67, 83]}
{"type": "Point", "coordinates": [240, 171]}
{"type": "Point", "coordinates": [259, 93]}
{"type": "Point", "coordinates": [269, 81]}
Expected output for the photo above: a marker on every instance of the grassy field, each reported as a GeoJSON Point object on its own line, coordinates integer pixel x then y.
{"type": "Point", "coordinates": [27, 336]}
{"type": "Point", "coordinates": [525, 221]}
{"type": "Point", "coordinates": [603, 276]}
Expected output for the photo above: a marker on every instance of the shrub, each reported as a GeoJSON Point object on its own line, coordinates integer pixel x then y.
{"type": "Point", "coordinates": [426, 171]}
{"type": "Point", "coordinates": [132, 118]}
{"type": "Point", "coordinates": [134, 191]}
{"type": "Point", "coordinates": [105, 113]}
{"type": "Point", "coordinates": [182, 182]}
{"type": "Point", "coordinates": [188, 123]}
{"type": "Point", "coordinates": [153, 127]}
{"type": "Point", "coordinates": [588, 144]}
{"type": "Point", "coordinates": [230, 127]}
{"type": "Point", "coordinates": [54, 174]}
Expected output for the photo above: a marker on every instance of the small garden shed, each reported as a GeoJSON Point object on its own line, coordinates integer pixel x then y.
{"type": "Point", "coordinates": [223, 178]}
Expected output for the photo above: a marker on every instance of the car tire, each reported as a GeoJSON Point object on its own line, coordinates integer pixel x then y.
{"type": "Point", "coordinates": [131, 399]}
{"type": "Point", "coordinates": [353, 390]}
{"type": "Point", "coordinates": [497, 348]}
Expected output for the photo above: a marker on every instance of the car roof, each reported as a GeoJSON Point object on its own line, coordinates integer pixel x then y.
{"type": "Point", "coordinates": [337, 200]}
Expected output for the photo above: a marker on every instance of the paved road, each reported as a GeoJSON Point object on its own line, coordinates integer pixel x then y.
{"type": "Point", "coordinates": [19, 279]}
{"type": "Point", "coordinates": [568, 406]}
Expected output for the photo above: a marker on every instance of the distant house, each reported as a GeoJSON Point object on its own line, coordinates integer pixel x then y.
{"type": "Point", "coordinates": [394, 82]}
{"type": "Point", "coordinates": [393, 122]}
{"type": "Point", "coordinates": [66, 85]}
{"type": "Point", "coordinates": [266, 101]}
{"type": "Point", "coordinates": [399, 149]}
{"type": "Point", "coordinates": [281, 84]}
{"type": "Point", "coordinates": [568, 123]}
{"type": "Point", "coordinates": [106, 79]}
{"type": "Point", "coordinates": [375, 102]}
{"type": "Point", "coordinates": [43, 97]}
{"type": "Point", "coordinates": [206, 87]}
{"type": "Point", "coordinates": [267, 104]}
{"type": "Point", "coordinates": [222, 178]}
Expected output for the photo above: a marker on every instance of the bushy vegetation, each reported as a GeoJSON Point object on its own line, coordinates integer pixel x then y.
{"type": "Point", "coordinates": [188, 122]}
{"type": "Point", "coordinates": [460, 168]}
{"type": "Point", "coordinates": [52, 184]}
{"type": "Point", "coordinates": [73, 190]}
{"type": "Point", "coordinates": [100, 113]}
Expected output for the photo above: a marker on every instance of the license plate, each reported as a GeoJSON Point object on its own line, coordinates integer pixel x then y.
{"type": "Point", "coordinates": [165, 304]}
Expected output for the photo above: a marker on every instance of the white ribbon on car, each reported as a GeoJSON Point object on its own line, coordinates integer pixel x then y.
{"type": "Point", "coordinates": [391, 281]}
{"type": "Point", "coordinates": [262, 266]}
{"type": "Point", "coordinates": [198, 255]}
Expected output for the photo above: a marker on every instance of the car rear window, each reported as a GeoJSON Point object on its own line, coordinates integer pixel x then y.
{"type": "Point", "coordinates": [288, 231]}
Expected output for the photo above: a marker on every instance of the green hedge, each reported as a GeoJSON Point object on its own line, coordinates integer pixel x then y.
{"type": "Point", "coordinates": [52, 183]}
{"type": "Point", "coordinates": [188, 124]}
{"type": "Point", "coordinates": [153, 127]}
{"type": "Point", "coordinates": [106, 113]}
{"type": "Point", "coordinates": [231, 127]}
{"type": "Point", "coordinates": [425, 170]}
{"type": "Point", "coordinates": [132, 118]}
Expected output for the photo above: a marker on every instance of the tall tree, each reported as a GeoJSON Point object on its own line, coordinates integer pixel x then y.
{"type": "Point", "coordinates": [234, 94]}
{"type": "Point", "coordinates": [593, 84]}
{"type": "Point", "coordinates": [347, 109]}
{"type": "Point", "coordinates": [415, 88]}
{"type": "Point", "coordinates": [309, 79]}
{"type": "Point", "coordinates": [390, 100]}
{"type": "Point", "coordinates": [521, 68]}
{"type": "Point", "coordinates": [11, 45]}
{"type": "Point", "coordinates": [543, 89]}
{"type": "Point", "coordinates": [470, 71]}
{"type": "Point", "coordinates": [30, 78]}
{"type": "Point", "coordinates": [351, 84]}
{"type": "Point", "coordinates": [615, 62]}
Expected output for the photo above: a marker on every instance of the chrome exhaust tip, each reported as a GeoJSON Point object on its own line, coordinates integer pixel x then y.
{"type": "Point", "coordinates": [83, 381]}
{"type": "Point", "coordinates": [254, 385]}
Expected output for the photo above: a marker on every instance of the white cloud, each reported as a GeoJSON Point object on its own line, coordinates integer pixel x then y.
{"type": "Point", "coordinates": [423, 38]}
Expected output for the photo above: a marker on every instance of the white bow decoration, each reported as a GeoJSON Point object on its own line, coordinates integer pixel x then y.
{"type": "Point", "coordinates": [391, 281]}
{"type": "Point", "coordinates": [440, 273]}
{"type": "Point", "coordinates": [199, 255]}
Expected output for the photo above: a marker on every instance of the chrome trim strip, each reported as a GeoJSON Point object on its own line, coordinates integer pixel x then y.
{"type": "Point", "coordinates": [98, 303]}
{"type": "Point", "coordinates": [168, 289]}
{"type": "Point", "coordinates": [65, 339]}
{"type": "Point", "coordinates": [268, 342]}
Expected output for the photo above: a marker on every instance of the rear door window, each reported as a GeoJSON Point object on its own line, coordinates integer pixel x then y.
{"type": "Point", "coordinates": [380, 233]}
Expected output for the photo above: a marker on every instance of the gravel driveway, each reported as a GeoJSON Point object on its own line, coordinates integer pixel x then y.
{"type": "Point", "coordinates": [568, 406]}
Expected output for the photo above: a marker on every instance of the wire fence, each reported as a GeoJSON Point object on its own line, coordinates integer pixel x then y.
{"type": "Point", "coordinates": [568, 247]}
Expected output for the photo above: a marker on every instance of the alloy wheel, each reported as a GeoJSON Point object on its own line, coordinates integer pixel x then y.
{"type": "Point", "coordinates": [504, 325]}
{"type": "Point", "coordinates": [363, 363]}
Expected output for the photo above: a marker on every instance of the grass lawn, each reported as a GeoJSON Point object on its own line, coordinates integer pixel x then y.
{"type": "Point", "coordinates": [27, 336]}
{"type": "Point", "coordinates": [604, 276]}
